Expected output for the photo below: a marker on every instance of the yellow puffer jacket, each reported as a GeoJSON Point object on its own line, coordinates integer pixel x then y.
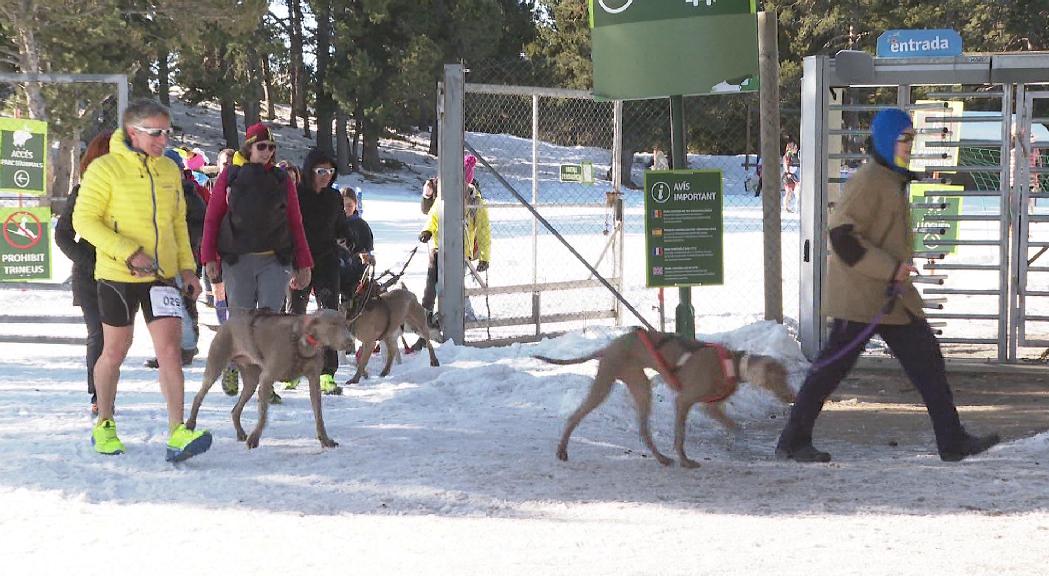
{"type": "Point", "coordinates": [477, 241]}
{"type": "Point", "coordinates": [127, 201]}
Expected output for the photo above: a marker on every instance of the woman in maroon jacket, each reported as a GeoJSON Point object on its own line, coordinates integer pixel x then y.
{"type": "Point", "coordinates": [253, 233]}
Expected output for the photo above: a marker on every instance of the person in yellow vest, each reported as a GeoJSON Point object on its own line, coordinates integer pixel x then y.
{"type": "Point", "coordinates": [477, 241]}
{"type": "Point", "coordinates": [132, 210]}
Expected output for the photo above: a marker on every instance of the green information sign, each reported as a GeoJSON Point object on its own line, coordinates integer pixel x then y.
{"type": "Point", "coordinates": [684, 230]}
{"type": "Point", "coordinates": [583, 173]}
{"type": "Point", "coordinates": [658, 48]}
{"type": "Point", "coordinates": [25, 253]}
{"type": "Point", "coordinates": [924, 217]}
{"type": "Point", "coordinates": [23, 156]}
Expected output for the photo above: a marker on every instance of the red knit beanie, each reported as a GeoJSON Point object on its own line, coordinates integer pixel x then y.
{"type": "Point", "coordinates": [258, 133]}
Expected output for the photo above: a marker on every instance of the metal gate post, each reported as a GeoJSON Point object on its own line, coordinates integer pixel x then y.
{"type": "Point", "coordinates": [535, 223]}
{"type": "Point", "coordinates": [451, 267]}
{"type": "Point", "coordinates": [619, 270]}
{"type": "Point", "coordinates": [1006, 336]}
{"type": "Point", "coordinates": [813, 255]}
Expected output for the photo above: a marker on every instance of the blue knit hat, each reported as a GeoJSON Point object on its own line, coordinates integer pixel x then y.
{"type": "Point", "coordinates": [885, 129]}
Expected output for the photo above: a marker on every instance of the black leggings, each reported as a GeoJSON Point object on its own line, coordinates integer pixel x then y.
{"type": "Point", "coordinates": [324, 283]}
{"type": "Point", "coordinates": [918, 352]}
{"type": "Point", "coordinates": [87, 297]}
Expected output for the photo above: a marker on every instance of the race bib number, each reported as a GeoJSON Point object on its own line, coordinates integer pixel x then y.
{"type": "Point", "coordinates": [166, 300]}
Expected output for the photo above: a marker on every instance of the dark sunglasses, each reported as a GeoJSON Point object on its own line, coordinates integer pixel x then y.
{"type": "Point", "coordinates": [262, 146]}
{"type": "Point", "coordinates": [154, 132]}
{"type": "Point", "coordinates": [324, 171]}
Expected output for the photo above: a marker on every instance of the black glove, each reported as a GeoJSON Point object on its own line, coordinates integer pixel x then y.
{"type": "Point", "coordinates": [482, 265]}
{"type": "Point", "coordinates": [425, 236]}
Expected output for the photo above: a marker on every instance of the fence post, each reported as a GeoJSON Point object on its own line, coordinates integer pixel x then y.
{"type": "Point", "coordinates": [768, 61]}
{"type": "Point", "coordinates": [536, 304]}
{"type": "Point", "coordinates": [685, 314]}
{"type": "Point", "coordinates": [451, 268]}
{"type": "Point", "coordinates": [617, 190]}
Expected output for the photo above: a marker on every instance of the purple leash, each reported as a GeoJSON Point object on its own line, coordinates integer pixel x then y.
{"type": "Point", "coordinates": [892, 292]}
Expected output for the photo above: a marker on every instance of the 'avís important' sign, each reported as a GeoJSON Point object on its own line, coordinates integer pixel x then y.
{"type": "Point", "coordinates": [684, 230]}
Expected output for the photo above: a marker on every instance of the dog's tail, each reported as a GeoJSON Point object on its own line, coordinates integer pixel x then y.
{"type": "Point", "coordinates": [568, 361]}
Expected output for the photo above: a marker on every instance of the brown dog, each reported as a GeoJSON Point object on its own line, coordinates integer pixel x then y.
{"type": "Point", "coordinates": [697, 367]}
{"type": "Point", "coordinates": [269, 347]}
{"type": "Point", "coordinates": [381, 321]}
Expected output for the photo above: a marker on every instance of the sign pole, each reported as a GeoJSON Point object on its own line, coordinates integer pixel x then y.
{"type": "Point", "coordinates": [684, 315]}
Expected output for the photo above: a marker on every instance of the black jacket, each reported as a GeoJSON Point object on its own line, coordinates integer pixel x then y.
{"type": "Point", "coordinates": [81, 252]}
{"type": "Point", "coordinates": [360, 238]}
{"type": "Point", "coordinates": [322, 214]}
{"type": "Point", "coordinates": [195, 211]}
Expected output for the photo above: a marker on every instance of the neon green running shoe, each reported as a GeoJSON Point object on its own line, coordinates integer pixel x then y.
{"type": "Point", "coordinates": [293, 383]}
{"type": "Point", "coordinates": [230, 381]}
{"type": "Point", "coordinates": [328, 385]}
{"type": "Point", "coordinates": [185, 443]}
{"type": "Point", "coordinates": [104, 438]}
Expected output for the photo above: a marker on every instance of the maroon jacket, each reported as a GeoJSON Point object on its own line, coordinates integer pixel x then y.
{"type": "Point", "coordinates": [217, 208]}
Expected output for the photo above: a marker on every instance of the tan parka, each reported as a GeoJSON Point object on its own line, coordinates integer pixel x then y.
{"type": "Point", "coordinates": [870, 232]}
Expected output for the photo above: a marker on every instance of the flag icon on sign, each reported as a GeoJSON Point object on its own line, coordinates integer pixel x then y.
{"type": "Point", "coordinates": [658, 251]}
{"type": "Point", "coordinates": [657, 213]}
{"type": "Point", "coordinates": [657, 270]}
{"type": "Point", "coordinates": [657, 232]}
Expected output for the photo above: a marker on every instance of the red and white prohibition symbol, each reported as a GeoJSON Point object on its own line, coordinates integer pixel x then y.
{"type": "Point", "coordinates": [22, 230]}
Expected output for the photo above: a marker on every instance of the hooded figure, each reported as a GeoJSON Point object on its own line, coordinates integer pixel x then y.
{"type": "Point", "coordinates": [886, 129]}
{"type": "Point", "coordinates": [325, 224]}
{"type": "Point", "coordinates": [868, 290]}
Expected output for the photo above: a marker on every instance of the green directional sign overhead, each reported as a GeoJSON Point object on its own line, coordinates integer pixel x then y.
{"type": "Point", "coordinates": [23, 156]}
{"type": "Point", "coordinates": [658, 48]}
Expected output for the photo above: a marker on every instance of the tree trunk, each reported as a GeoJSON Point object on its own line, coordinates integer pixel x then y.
{"type": "Point", "coordinates": [298, 72]}
{"type": "Point", "coordinates": [432, 151]}
{"type": "Point", "coordinates": [29, 62]}
{"type": "Point", "coordinates": [62, 173]}
{"type": "Point", "coordinates": [267, 90]}
{"type": "Point", "coordinates": [325, 103]}
{"type": "Point", "coordinates": [140, 81]}
{"type": "Point", "coordinates": [358, 123]}
{"type": "Point", "coordinates": [370, 157]}
{"type": "Point", "coordinates": [250, 105]}
{"type": "Point", "coordinates": [164, 79]}
{"type": "Point", "coordinates": [229, 122]}
{"type": "Point", "coordinates": [342, 143]}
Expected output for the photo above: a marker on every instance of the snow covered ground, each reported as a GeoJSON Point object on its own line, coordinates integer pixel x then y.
{"type": "Point", "coordinates": [451, 469]}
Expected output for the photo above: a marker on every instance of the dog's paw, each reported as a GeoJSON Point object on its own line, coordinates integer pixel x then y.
{"type": "Point", "coordinates": [241, 436]}
{"type": "Point", "coordinates": [562, 454]}
{"type": "Point", "coordinates": [253, 441]}
{"type": "Point", "coordinates": [664, 460]}
{"type": "Point", "coordinates": [687, 463]}
{"type": "Point", "coordinates": [328, 443]}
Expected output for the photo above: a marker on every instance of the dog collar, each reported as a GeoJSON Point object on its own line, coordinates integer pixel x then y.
{"type": "Point", "coordinates": [311, 340]}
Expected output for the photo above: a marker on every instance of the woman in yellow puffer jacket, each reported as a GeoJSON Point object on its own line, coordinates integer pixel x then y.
{"type": "Point", "coordinates": [131, 208]}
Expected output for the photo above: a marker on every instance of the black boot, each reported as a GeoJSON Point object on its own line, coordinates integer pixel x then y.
{"type": "Point", "coordinates": [970, 446]}
{"type": "Point", "coordinates": [806, 453]}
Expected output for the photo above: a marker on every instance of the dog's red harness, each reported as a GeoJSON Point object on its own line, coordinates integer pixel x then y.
{"type": "Point", "coordinates": [728, 370]}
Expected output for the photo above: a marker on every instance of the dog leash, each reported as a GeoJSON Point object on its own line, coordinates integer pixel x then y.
{"type": "Point", "coordinates": [395, 277]}
{"type": "Point", "coordinates": [892, 292]}
{"type": "Point", "coordinates": [728, 371]}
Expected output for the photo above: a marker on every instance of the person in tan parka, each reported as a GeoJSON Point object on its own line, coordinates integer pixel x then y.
{"type": "Point", "coordinates": [868, 289]}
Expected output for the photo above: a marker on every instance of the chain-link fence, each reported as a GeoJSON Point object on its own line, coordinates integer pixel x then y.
{"type": "Point", "coordinates": [536, 139]}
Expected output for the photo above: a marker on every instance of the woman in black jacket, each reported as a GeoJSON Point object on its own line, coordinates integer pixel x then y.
{"type": "Point", "coordinates": [82, 253]}
{"type": "Point", "coordinates": [324, 223]}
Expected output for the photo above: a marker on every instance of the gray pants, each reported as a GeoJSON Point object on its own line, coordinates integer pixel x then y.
{"type": "Point", "coordinates": [256, 281]}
